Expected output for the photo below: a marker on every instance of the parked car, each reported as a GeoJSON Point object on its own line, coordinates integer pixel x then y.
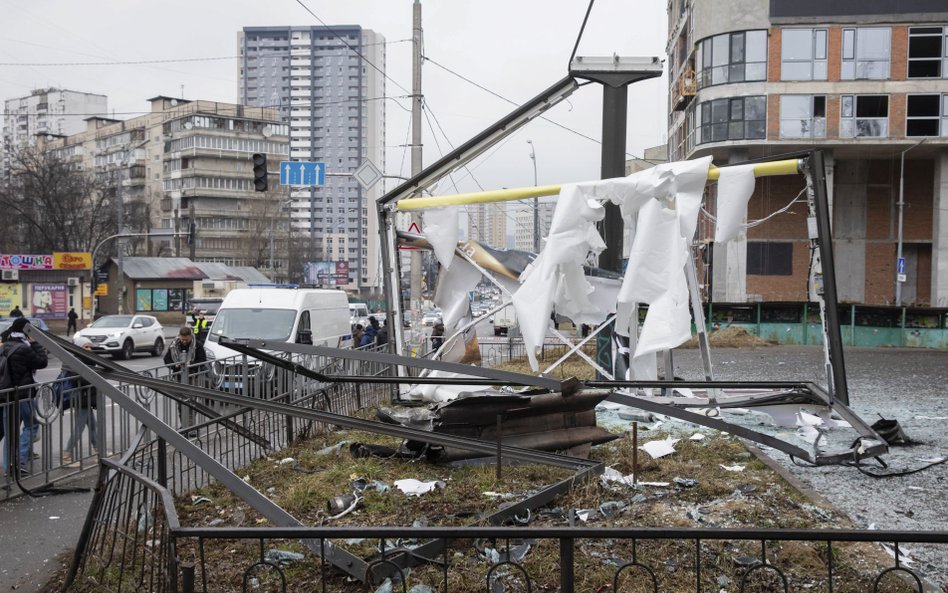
{"type": "Point", "coordinates": [6, 322]}
{"type": "Point", "coordinates": [431, 317]}
{"type": "Point", "coordinates": [124, 335]}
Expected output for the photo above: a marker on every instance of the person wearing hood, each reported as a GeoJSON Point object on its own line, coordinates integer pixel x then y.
{"type": "Point", "coordinates": [84, 402]}
{"type": "Point", "coordinates": [24, 358]}
{"type": "Point", "coordinates": [370, 333]}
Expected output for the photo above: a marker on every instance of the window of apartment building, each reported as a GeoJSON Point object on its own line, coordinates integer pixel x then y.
{"type": "Point", "coordinates": [765, 258]}
{"type": "Point", "coordinates": [732, 57]}
{"type": "Point", "coordinates": [802, 116]}
{"type": "Point", "coordinates": [866, 53]}
{"type": "Point", "coordinates": [803, 54]}
{"type": "Point", "coordinates": [926, 115]}
{"type": "Point", "coordinates": [736, 118]}
{"type": "Point", "coordinates": [928, 52]}
{"type": "Point", "coordinates": [863, 116]}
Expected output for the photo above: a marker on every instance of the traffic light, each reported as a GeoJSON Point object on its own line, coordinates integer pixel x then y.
{"type": "Point", "coordinates": [260, 172]}
{"type": "Point", "coordinates": [192, 233]}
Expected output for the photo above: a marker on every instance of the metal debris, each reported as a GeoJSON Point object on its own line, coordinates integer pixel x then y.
{"type": "Point", "coordinates": [685, 482]}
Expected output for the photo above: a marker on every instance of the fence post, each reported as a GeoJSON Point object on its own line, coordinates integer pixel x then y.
{"type": "Point", "coordinates": [162, 462]}
{"type": "Point", "coordinates": [566, 565]}
{"type": "Point", "coordinates": [187, 577]}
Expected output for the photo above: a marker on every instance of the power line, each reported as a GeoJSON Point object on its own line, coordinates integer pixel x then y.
{"type": "Point", "coordinates": [515, 104]}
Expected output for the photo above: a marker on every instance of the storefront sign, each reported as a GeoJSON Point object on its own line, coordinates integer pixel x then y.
{"type": "Point", "coordinates": [49, 301]}
{"type": "Point", "coordinates": [10, 296]}
{"type": "Point", "coordinates": [72, 260]}
{"type": "Point", "coordinates": [17, 261]}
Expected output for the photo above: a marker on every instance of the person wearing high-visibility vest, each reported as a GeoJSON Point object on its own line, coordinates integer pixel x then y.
{"type": "Point", "coordinates": [199, 326]}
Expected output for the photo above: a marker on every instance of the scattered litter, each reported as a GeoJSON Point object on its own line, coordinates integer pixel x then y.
{"type": "Point", "coordinates": [196, 500]}
{"type": "Point", "coordinates": [696, 437]}
{"type": "Point", "coordinates": [611, 508]}
{"type": "Point", "coordinates": [660, 448]}
{"type": "Point", "coordinates": [421, 589]}
{"type": "Point", "coordinates": [745, 561]}
{"type": "Point", "coordinates": [492, 494]}
{"type": "Point", "coordinates": [635, 416]}
{"type": "Point", "coordinates": [385, 587]}
{"type": "Point", "coordinates": [723, 581]}
{"type": "Point", "coordinates": [342, 505]}
{"type": "Point", "coordinates": [215, 522]}
{"type": "Point", "coordinates": [413, 487]}
{"type": "Point", "coordinates": [809, 434]}
{"type": "Point", "coordinates": [806, 419]}
{"type": "Point", "coordinates": [583, 515]}
{"type": "Point", "coordinates": [685, 482]}
{"type": "Point", "coordinates": [333, 449]}
{"type": "Point", "coordinates": [271, 489]}
{"type": "Point", "coordinates": [639, 498]}
{"type": "Point", "coordinates": [54, 517]}
{"type": "Point", "coordinates": [656, 484]}
{"type": "Point", "coordinates": [362, 484]}
{"type": "Point", "coordinates": [287, 460]}
{"type": "Point", "coordinates": [746, 489]}
{"type": "Point", "coordinates": [931, 459]}
{"type": "Point", "coordinates": [732, 468]}
{"type": "Point", "coordinates": [354, 541]}
{"type": "Point", "coordinates": [695, 515]}
{"type": "Point", "coordinates": [613, 475]}
{"type": "Point", "coordinates": [905, 554]}
{"type": "Point", "coordinates": [282, 556]}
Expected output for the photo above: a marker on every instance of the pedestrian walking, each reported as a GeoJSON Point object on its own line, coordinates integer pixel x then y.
{"type": "Point", "coordinates": [357, 335]}
{"type": "Point", "coordinates": [183, 354]}
{"type": "Point", "coordinates": [370, 333]}
{"type": "Point", "coordinates": [16, 312]}
{"type": "Point", "coordinates": [24, 358]}
{"type": "Point", "coordinates": [84, 402]}
{"type": "Point", "coordinates": [73, 318]}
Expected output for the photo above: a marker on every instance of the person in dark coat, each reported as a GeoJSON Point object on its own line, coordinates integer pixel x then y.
{"type": "Point", "coordinates": [370, 333]}
{"type": "Point", "coordinates": [83, 401]}
{"type": "Point", "coordinates": [73, 317]}
{"type": "Point", "coordinates": [357, 335]}
{"type": "Point", "coordinates": [437, 336]}
{"type": "Point", "coordinates": [187, 352]}
{"type": "Point", "coordinates": [24, 357]}
{"type": "Point", "coordinates": [16, 312]}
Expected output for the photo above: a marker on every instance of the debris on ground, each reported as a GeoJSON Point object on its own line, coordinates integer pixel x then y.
{"type": "Point", "coordinates": [413, 487]}
{"type": "Point", "coordinates": [660, 448]}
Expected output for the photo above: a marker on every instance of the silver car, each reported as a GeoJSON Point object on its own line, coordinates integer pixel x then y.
{"type": "Point", "coordinates": [124, 335]}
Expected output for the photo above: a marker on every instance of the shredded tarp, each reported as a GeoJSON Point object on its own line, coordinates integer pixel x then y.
{"type": "Point", "coordinates": [735, 187]}
{"type": "Point", "coordinates": [452, 294]}
{"type": "Point", "coordinates": [441, 231]}
{"type": "Point", "coordinates": [443, 393]}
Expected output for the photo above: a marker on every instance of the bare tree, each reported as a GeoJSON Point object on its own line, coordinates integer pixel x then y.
{"type": "Point", "coordinates": [54, 206]}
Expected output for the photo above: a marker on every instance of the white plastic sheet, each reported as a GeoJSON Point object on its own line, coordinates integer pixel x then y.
{"type": "Point", "coordinates": [660, 448]}
{"type": "Point", "coordinates": [443, 393]}
{"type": "Point", "coordinates": [735, 187]}
{"type": "Point", "coordinates": [454, 284]}
{"type": "Point", "coordinates": [556, 275]}
{"type": "Point", "coordinates": [441, 231]}
{"type": "Point", "coordinates": [413, 487]}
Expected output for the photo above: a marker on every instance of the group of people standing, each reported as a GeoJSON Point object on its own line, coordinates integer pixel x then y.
{"type": "Point", "coordinates": [372, 335]}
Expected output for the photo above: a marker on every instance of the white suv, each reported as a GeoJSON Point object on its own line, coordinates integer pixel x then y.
{"type": "Point", "coordinates": [123, 335]}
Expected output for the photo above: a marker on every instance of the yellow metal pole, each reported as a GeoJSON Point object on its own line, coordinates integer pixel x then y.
{"type": "Point", "coordinates": [787, 167]}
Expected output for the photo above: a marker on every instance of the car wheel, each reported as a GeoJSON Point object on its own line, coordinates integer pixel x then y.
{"type": "Point", "coordinates": [159, 347]}
{"type": "Point", "coordinates": [128, 349]}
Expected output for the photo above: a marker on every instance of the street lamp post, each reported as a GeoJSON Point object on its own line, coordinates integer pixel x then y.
{"type": "Point", "coordinates": [536, 202]}
{"type": "Point", "coordinates": [156, 233]}
{"type": "Point", "coordinates": [898, 251]}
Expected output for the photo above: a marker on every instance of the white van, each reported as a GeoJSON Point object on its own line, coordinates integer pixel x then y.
{"type": "Point", "coordinates": [358, 313]}
{"type": "Point", "coordinates": [298, 315]}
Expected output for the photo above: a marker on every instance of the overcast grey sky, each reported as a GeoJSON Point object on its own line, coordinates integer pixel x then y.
{"type": "Point", "coordinates": [515, 48]}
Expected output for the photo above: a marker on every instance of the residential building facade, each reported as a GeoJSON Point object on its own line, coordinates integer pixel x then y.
{"type": "Point", "coordinates": [190, 161]}
{"type": "Point", "coordinates": [487, 223]}
{"type": "Point", "coordinates": [328, 84]}
{"type": "Point", "coordinates": [523, 239]}
{"type": "Point", "coordinates": [57, 112]}
{"type": "Point", "coordinates": [864, 81]}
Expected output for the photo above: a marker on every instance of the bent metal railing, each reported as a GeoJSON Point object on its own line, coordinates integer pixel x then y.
{"type": "Point", "coordinates": [135, 542]}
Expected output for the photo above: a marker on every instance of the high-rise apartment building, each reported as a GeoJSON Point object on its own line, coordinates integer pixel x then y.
{"type": "Point", "coordinates": [55, 112]}
{"type": "Point", "coordinates": [523, 239]}
{"type": "Point", "coordinates": [329, 85]}
{"type": "Point", "coordinates": [191, 161]}
{"type": "Point", "coordinates": [863, 81]}
{"type": "Point", "coordinates": [487, 223]}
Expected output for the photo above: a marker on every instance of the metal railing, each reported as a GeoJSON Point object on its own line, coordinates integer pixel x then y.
{"type": "Point", "coordinates": [137, 543]}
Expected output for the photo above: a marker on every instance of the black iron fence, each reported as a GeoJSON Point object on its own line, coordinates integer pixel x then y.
{"type": "Point", "coordinates": [137, 543]}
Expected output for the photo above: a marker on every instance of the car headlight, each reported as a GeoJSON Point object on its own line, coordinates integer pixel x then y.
{"type": "Point", "coordinates": [115, 334]}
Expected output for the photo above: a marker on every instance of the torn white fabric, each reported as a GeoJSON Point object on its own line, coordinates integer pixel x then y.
{"type": "Point", "coordinates": [735, 187]}
{"type": "Point", "coordinates": [613, 475]}
{"type": "Point", "coordinates": [664, 227]}
{"type": "Point", "coordinates": [454, 284]}
{"type": "Point", "coordinates": [556, 275]}
{"type": "Point", "coordinates": [732, 468]}
{"type": "Point", "coordinates": [660, 448]}
{"type": "Point", "coordinates": [441, 231]}
{"type": "Point", "coordinates": [443, 393]}
{"type": "Point", "coordinates": [413, 487]}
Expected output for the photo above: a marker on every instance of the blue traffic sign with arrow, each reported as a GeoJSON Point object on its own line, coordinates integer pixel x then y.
{"type": "Point", "coordinates": [302, 173]}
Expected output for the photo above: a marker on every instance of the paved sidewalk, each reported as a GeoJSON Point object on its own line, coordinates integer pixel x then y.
{"type": "Point", "coordinates": [35, 531]}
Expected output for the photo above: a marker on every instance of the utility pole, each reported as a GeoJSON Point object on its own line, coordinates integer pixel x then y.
{"type": "Point", "coordinates": [191, 220]}
{"type": "Point", "coordinates": [536, 202]}
{"type": "Point", "coordinates": [416, 105]}
{"type": "Point", "coordinates": [120, 245]}
{"type": "Point", "coordinates": [899, 264]}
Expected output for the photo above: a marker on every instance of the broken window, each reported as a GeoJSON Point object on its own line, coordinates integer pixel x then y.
{"type": "Point", "coordinates": [928, 52]}
{"type": "Point", "coordinates": [863, 115]}
{"type": "Point", "coordinates": [766, 258]}
{"type": "Point", "coordinates": [866, 53]}
{"type": "Point", "coordinates": [802, 116]}
{"type": "Point", "coordinates": [922, 115]}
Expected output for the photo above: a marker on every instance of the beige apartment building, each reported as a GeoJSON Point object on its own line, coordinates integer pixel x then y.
{"type": "Point", "coordinates": [190, 161]}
